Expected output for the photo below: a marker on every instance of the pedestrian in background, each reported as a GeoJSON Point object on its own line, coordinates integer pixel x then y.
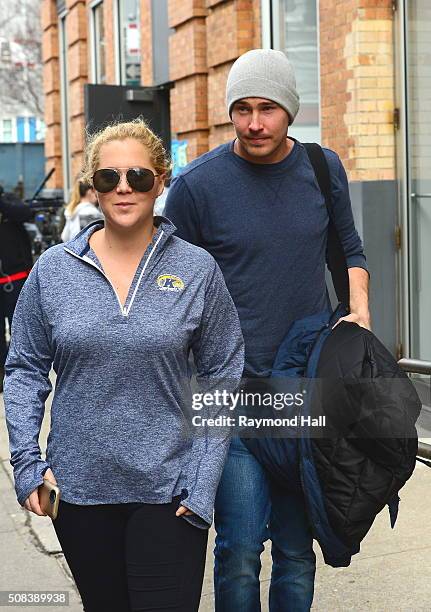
{"type": "Point", "coordinates": [117, 311]}
{"type": "Point", "coordinates": [81, 210]}
{"type": "Point", "coordinates": [255, 205]}
{"type": "Point", "coordinates": [15, 262]}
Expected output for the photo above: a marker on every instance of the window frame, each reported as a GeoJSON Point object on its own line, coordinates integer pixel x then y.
{"type": "Point", "coordinates": [9, 131]}
{"type": "Point", "coordinates": [120, 41]}
{"type": "Point", "coordinates": [64, 102]}
{"type": "Point", "coordinates": [117, 13]}
{"type": "Point", "coordinates": [270, 12]}
{"type": "Point", "coordinates": [94, 46]}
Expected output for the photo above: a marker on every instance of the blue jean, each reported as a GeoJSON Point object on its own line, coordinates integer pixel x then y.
{"type": "Point", "coordinates": [250, 510]}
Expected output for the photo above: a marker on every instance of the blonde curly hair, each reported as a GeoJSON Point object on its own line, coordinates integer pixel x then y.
{"type": "Point", "coordinates": [136, 129]}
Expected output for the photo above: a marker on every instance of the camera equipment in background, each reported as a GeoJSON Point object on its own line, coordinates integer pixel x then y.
{"type": "Point", "coordinates": [46, 204]}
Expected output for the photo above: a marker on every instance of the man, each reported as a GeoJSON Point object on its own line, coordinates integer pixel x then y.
{"type": "Point", "coordinates": [255, 205]}
{"type": "Point", "coordinates": [15, 262]}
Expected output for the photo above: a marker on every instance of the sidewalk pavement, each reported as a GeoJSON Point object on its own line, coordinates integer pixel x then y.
{"type": "Point", "coordinates": [392, 573]}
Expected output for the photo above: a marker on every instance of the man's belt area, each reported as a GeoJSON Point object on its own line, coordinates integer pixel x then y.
{"type": "Point", "coordinates": [9, 278]}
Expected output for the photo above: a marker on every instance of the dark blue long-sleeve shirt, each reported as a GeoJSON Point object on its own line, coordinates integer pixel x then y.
{"type": "Point", "coordinates": [266, 226]}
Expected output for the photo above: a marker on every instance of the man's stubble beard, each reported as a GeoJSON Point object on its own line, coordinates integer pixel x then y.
{"type": "Point", "coordinates": [271, 147]}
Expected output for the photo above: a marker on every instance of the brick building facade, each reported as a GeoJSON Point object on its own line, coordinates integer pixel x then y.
{"type": "Point", "coordinates": [356, 74]}
{"type": "Point", "coordinates": [356, 87]}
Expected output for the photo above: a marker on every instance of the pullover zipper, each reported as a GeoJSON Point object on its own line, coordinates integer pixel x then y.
{"type": "Point", "coordinates": [142, 273]}
{"type": "Point", "coordinates": [124, 311]}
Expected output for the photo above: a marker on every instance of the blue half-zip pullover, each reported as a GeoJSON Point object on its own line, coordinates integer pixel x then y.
{"type": "Point", "coordinates": [122, 389]}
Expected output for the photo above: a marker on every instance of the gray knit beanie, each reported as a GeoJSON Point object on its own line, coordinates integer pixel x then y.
{"type": "Point", "coordinates": [263, 73]}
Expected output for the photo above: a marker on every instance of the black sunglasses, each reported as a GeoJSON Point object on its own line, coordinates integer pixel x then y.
{"type": "Point", "coordinates": [140, 179]}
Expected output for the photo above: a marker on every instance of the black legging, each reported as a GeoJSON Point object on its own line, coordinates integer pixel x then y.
{"type": "Point", "coordinates": [127, 557]}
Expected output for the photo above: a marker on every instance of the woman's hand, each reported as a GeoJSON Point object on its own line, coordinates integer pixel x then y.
{"type": "Point", "coordinates": [183, 511]}
{"type": "Point", "coordinates": [32, 502]}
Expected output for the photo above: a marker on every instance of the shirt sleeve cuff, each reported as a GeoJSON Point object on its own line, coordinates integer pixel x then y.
{"type": "Point", "coordinates": [200, 518]}
{"type": "Point", "coordinates": [357, 261]}
{"type": "Point", "coordinates": [31, 483]}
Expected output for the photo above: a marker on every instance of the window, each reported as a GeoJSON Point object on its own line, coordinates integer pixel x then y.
{"type": "Point", "coordinates": [20, 129]}
{"type": "Point", "coordinates": [32, 129]}
{"type": "Point", "coordinates": [98, 44]}
{"type": "Point", "coordinates": [5, 52]}
{"type": "Point", "coordinates": [418, 141]}
{"type": "Point", "coordinates": [129, 42]}
{"type": "Point", "coordinates": [7, 135]}
{"type": "Point", "coordinates": [40, 130]}
{"type": "Point", "coordinates": [293, 28]}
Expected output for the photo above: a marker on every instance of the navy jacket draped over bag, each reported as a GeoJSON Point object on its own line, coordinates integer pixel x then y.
{"type": "Point", "coordinates": [352, 467]}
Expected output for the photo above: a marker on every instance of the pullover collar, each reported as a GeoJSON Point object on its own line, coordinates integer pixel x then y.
{"type": "Point", "coordinates": [80, 244]}
{"type": "Point", "coordinates": [80, 247]}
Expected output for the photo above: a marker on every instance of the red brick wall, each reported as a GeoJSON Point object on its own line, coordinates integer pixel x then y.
{"type": "Point", "coordinates": [257, 24]}
{"type": "Point", "coordinates": [357, 85]}
{"type": "Point", "coordinates": [77, 73]}
{"type": "Point", "coordinates": [188, 69]}
{"type": "Point", "coordinates": [51, 80]}
{"type": "Point", "coordinates": [357, 75]}
{"type": "Point", "coordinates": [231, 32]}
{"type": "Point", "coordinates": [209, 36]}
{"type": "Point", "coordinates": [146, 44]}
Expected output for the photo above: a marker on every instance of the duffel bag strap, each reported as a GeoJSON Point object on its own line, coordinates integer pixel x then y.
{"type": "Point", "coordinates": [335, 253]}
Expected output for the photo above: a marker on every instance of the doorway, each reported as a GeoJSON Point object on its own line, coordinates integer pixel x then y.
{"type": "Point", "coordinates": [415, 56]}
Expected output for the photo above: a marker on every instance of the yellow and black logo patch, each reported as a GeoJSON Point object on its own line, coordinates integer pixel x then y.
{"type": "Point", "coordinates": [169, 282]}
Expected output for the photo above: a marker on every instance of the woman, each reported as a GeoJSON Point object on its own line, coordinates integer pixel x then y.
{"type": "Point", "coordinates": [117, 311]}
{"type": "Point", "coordinates": [80, 211]}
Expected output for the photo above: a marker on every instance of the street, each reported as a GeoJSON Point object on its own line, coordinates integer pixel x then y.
{"type": "Point", "coordinates": [391, 573]}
